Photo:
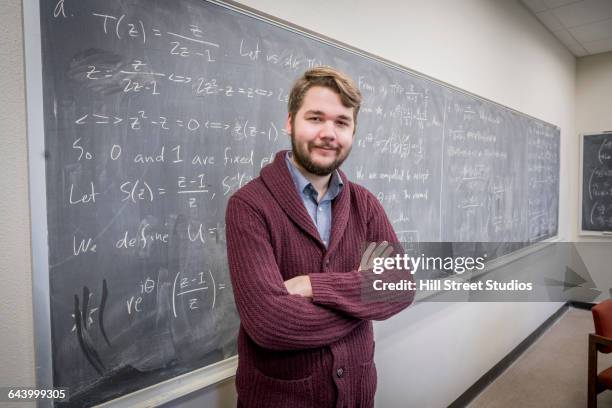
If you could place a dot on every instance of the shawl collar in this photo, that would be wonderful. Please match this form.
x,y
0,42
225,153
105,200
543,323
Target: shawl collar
x,y
278,180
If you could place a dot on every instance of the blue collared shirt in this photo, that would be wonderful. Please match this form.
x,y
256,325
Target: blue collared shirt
x,y
320,211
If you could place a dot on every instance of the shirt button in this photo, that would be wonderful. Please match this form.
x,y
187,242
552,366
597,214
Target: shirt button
x,y
320,208
340,372
327,262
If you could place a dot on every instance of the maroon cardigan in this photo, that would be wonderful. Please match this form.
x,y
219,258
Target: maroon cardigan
x,y
293,351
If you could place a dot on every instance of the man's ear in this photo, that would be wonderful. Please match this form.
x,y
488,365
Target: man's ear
x,y
288,126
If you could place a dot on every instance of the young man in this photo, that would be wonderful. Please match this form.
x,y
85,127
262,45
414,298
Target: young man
x,y
295,239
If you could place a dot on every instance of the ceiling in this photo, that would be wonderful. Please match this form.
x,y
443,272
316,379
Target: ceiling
x,y
583,26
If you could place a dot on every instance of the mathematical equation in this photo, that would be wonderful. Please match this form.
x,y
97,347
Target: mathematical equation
x,y
191,292
239,130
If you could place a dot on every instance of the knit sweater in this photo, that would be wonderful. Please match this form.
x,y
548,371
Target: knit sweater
x,y
295,351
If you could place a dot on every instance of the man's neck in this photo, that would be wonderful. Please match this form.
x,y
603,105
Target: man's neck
x,y
320,183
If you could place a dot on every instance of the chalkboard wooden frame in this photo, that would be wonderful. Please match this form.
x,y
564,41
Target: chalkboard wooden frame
x,y
584,230
157,393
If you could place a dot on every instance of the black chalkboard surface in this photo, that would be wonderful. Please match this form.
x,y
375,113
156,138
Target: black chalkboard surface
x,y
596,157
156,111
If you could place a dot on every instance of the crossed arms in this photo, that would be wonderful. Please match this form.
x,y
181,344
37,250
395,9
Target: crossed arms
x,y
307,311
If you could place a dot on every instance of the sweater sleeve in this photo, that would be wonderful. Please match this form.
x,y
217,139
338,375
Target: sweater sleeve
x,y
272,317
353,292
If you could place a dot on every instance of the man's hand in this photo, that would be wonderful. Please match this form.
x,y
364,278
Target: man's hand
x,y
383,250
300,285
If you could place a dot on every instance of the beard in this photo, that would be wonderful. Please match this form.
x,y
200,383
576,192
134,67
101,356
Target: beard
x,y
303,159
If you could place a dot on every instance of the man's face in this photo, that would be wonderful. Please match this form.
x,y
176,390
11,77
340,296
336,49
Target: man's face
x,y
321,132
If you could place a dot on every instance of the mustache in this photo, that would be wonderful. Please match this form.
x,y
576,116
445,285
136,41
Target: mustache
x,y
323,146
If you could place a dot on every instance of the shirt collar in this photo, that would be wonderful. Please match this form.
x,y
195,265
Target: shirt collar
x,y
303,185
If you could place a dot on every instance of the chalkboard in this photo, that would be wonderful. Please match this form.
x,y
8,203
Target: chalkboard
x,y
596,180
155,112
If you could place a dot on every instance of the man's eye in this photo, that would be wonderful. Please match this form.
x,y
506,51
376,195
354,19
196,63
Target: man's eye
x,y
342,124
314,119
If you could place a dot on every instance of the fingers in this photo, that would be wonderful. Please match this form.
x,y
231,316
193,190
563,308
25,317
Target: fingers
x,y
366,258
388,251
380,250
369,251
373,251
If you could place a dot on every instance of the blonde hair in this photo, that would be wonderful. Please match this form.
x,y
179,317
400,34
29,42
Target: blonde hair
x,y
327,77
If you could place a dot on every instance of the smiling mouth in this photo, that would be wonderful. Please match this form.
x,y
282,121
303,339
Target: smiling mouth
x,y
324,148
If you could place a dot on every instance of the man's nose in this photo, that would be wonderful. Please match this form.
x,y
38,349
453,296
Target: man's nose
x,y
328,131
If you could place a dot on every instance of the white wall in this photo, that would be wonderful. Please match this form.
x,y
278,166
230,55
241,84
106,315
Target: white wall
x,y
16,330
430,354
593,92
